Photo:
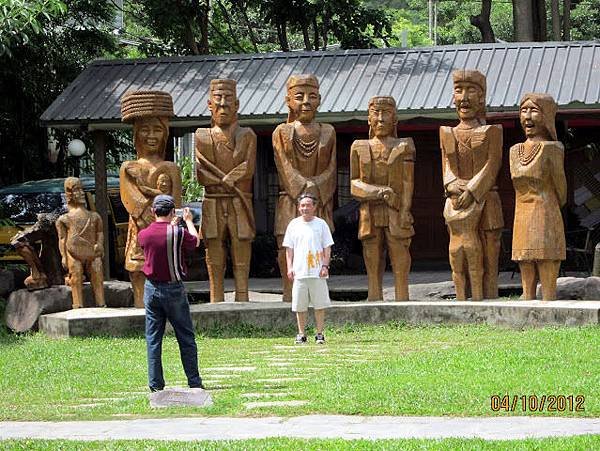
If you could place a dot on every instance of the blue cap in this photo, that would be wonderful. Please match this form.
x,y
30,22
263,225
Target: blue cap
x,y
163,202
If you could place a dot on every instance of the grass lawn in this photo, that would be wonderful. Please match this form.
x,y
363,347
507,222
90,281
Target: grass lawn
x,y
285,444
368,370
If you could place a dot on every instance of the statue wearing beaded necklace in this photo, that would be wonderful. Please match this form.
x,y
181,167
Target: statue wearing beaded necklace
x,y
537,172
305,157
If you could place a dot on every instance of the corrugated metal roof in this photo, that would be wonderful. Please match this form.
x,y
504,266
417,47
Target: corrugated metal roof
x,y
419,78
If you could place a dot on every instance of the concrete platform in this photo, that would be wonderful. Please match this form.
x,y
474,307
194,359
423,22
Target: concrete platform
x,y
506,313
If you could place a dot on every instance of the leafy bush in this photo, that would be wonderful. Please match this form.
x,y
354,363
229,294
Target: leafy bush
x,y
192,190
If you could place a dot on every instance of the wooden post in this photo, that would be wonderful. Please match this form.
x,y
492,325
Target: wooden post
x,y
99,137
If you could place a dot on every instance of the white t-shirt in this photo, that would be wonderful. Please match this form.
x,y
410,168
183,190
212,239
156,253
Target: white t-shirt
x,y
307,239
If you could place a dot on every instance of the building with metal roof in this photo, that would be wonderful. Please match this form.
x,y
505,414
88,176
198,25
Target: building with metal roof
x,y
418,78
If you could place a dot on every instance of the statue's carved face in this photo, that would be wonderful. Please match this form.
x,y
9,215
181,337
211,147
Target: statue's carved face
x,y
150,136
532,120
75,194
468,98
382,119
303,101
223,106
164,184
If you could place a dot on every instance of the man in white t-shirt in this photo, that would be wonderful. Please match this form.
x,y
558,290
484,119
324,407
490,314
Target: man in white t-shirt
x,y
307,243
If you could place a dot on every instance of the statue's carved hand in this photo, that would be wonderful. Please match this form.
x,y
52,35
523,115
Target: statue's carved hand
x,y
98,250
229,181
133,171
453,189
311,187
464,200
385,192
63,262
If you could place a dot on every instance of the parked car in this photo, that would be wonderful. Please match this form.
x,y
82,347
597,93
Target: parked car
x,y
20,204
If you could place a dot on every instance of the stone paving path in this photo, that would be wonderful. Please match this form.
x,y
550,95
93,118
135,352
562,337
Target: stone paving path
x,y
310,426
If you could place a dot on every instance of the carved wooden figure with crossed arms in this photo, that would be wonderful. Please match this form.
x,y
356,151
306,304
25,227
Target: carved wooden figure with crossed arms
x,y
225,162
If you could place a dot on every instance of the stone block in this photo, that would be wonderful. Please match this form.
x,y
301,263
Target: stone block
x,y
7,282
570,288
116,294
592,288
429,291
180,397
24,307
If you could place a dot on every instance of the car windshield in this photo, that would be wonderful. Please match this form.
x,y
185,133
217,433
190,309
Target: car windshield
x,y
23,208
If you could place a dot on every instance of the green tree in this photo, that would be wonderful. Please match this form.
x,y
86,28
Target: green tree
x,y
585,20
240,26
20,19
35,71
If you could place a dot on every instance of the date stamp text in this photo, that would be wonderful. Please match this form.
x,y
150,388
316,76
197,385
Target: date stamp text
x,y
537,403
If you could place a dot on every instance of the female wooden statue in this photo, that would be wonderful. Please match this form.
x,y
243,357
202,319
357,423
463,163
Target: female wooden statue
x,y
537,172
149,175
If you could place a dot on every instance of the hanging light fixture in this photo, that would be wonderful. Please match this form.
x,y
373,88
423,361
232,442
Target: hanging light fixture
x,y
76,148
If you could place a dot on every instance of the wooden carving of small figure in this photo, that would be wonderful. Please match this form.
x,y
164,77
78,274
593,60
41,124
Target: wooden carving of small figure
x,y
471,160
46,269
305,156
382,179
226,158
81,244
538,175
142,179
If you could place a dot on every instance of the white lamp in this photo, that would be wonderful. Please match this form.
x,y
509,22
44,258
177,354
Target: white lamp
x,y
76,148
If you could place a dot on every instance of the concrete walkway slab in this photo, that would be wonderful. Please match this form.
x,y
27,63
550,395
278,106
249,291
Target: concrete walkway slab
x,y
311,426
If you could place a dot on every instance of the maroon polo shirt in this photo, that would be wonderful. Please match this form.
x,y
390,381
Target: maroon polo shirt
x,y
164,247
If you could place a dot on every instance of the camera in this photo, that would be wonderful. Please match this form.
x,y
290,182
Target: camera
x,y
179,213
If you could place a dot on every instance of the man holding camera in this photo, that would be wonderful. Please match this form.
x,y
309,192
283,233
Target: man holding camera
x,y
164,243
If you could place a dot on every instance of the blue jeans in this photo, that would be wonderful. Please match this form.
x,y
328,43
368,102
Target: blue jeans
x,y
162,301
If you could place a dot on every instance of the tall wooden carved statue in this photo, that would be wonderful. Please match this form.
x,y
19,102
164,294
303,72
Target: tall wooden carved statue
x,y
225,163
538,175
81,244
149,112
471,160
382,179
306,161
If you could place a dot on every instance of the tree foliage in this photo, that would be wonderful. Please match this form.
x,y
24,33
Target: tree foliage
x,y
20,19
585,20
35,71
238,26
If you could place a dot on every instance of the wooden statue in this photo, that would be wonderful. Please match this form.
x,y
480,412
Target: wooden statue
x,y
471,160
225,162
141,180
538,175
46,269
305,156
382,179
81,244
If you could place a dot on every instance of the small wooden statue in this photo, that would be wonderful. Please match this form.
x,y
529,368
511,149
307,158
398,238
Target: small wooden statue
x,y
382,179
141,180
305,156
45,266
225,162
471,160
81,244
538,175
